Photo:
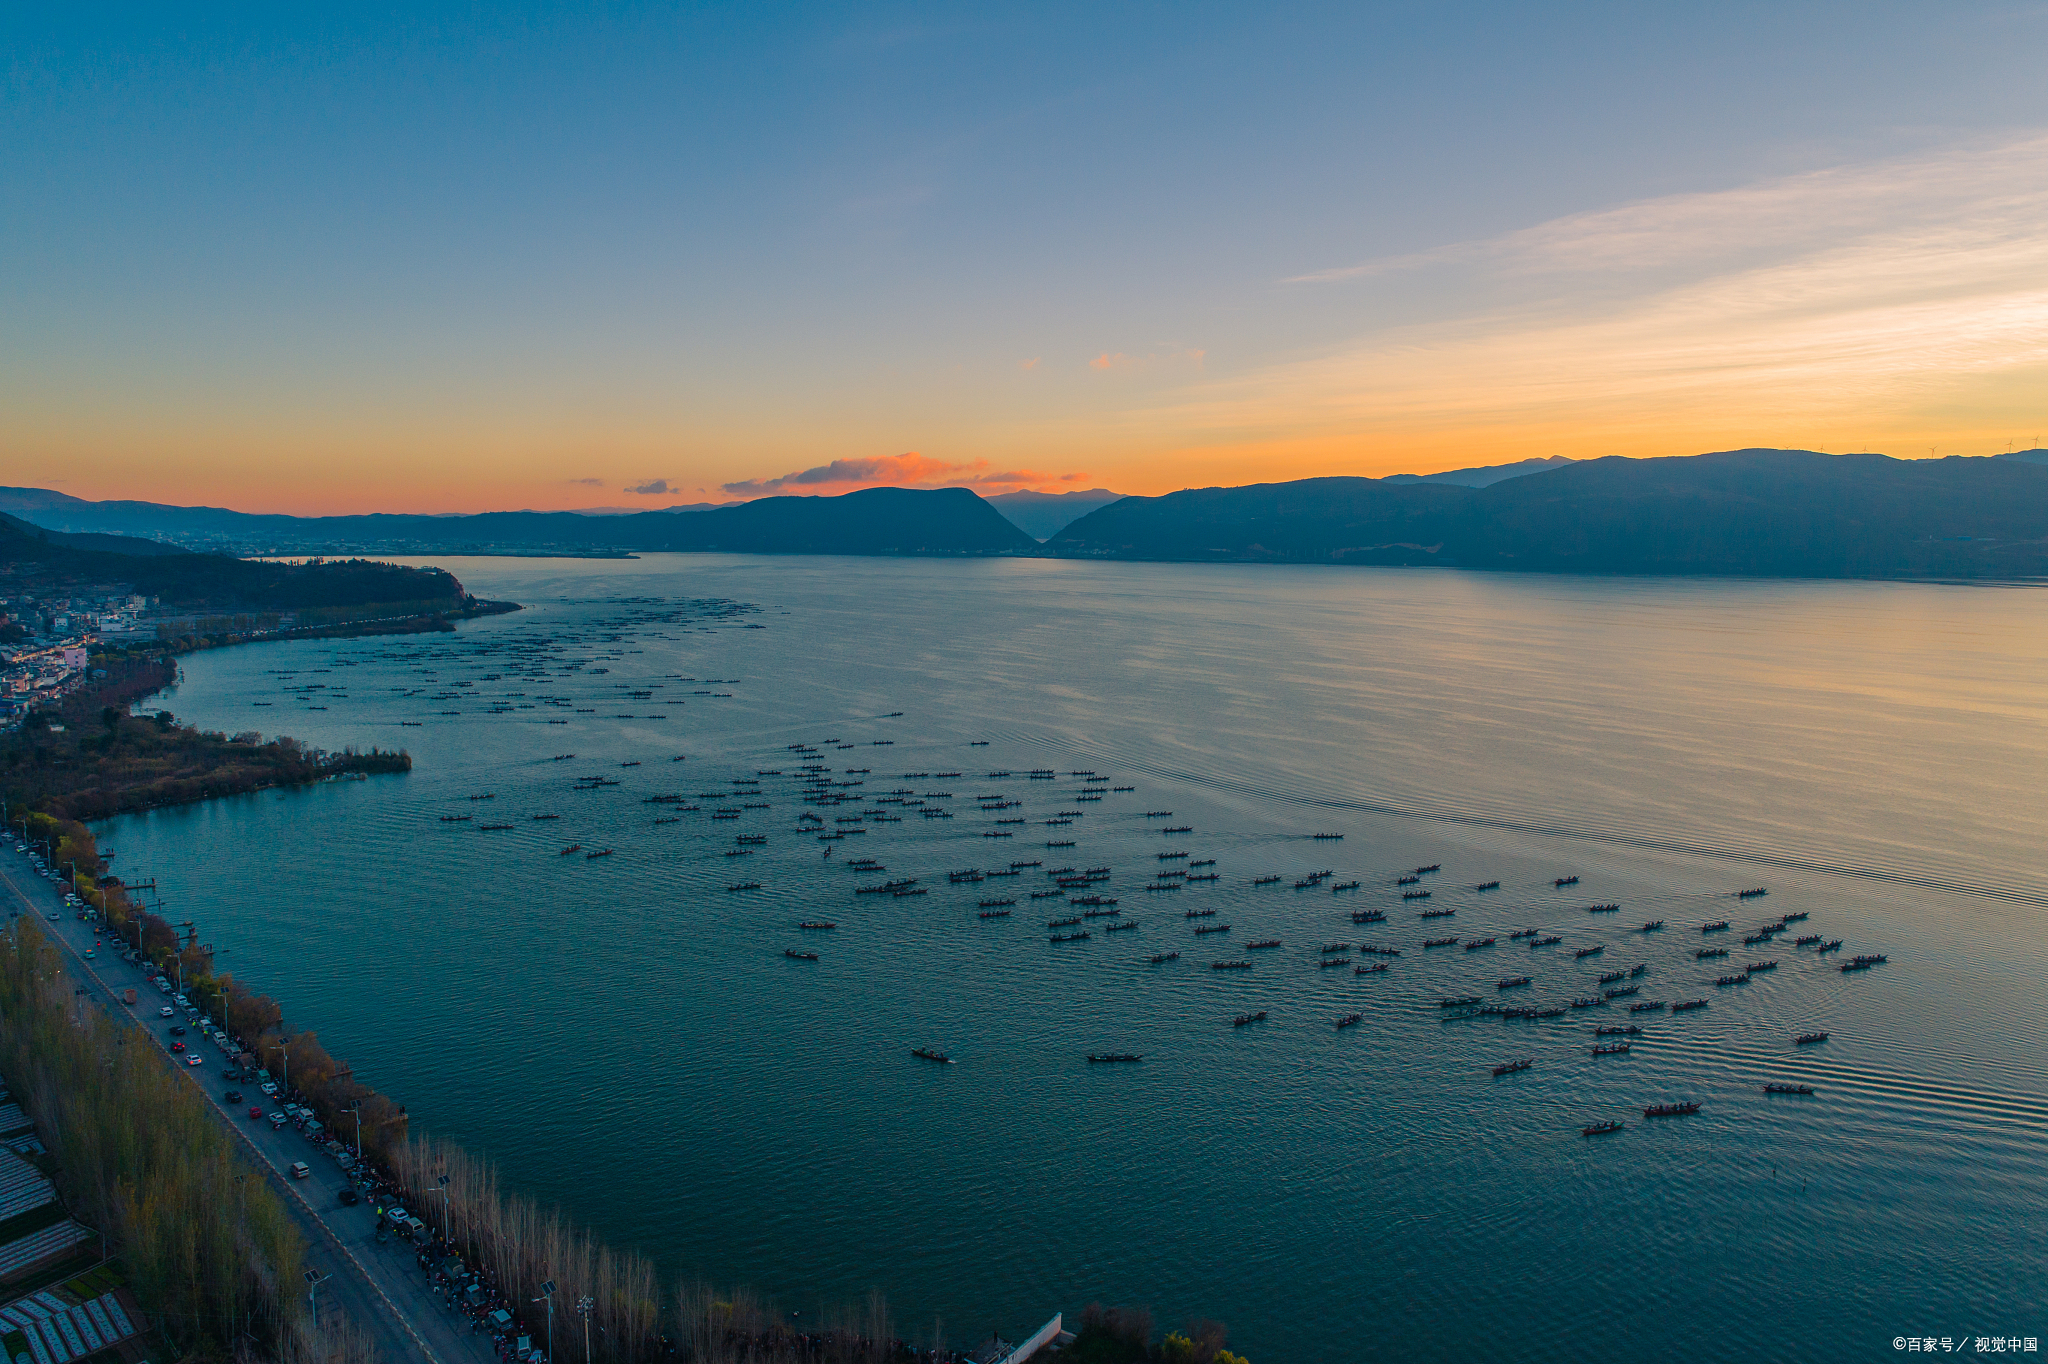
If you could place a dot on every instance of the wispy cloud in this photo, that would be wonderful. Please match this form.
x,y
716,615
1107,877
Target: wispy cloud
x,y
584,482
893,471
1849,297
1790,212
653,487
1119,362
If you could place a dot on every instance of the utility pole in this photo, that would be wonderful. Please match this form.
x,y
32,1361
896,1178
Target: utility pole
x,y
584,1306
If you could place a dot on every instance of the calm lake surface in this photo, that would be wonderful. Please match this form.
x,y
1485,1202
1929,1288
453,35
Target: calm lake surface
x,y
625,1036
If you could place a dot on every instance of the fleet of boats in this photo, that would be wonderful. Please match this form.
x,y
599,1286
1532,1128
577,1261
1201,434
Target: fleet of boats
x,y
821,787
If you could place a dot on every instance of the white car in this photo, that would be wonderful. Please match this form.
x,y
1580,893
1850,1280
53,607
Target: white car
x,y
165,1012
192,1060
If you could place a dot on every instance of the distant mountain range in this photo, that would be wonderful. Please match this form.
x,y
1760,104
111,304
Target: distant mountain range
x,y
1484,477
1767,513
1041,515
872,521
1774,513
45,562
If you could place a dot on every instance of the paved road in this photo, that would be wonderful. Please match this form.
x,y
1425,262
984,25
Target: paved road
x,y
377,1286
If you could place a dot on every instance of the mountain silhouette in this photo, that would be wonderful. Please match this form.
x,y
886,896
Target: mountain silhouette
x,y
1770,513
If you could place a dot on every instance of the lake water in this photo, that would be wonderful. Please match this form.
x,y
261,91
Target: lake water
x,y
625,1036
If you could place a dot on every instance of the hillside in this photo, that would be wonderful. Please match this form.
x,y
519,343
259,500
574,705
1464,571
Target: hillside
x,y
873,521
90,540
31,559
1770,513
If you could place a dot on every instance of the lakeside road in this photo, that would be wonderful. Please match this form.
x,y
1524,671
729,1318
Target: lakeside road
x,y
376,1286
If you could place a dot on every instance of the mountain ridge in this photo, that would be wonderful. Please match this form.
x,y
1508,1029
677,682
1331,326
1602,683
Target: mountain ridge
x,y
1757,512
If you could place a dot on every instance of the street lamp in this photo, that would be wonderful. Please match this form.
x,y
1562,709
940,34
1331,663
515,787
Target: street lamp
x,y
284,1069
584,1306
447,1215
356,1107
547,1295
448,1208
314,1278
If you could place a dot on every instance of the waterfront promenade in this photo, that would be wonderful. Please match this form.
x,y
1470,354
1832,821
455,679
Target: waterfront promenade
x,y
375,1286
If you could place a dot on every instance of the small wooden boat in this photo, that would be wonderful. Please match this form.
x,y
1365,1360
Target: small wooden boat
x,y
928,1054
1788,1089
1601,1129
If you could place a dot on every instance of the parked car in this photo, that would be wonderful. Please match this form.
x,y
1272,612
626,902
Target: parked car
x,y
165,1012
177,1029
233,1096
300,1169
349,1198
278,1120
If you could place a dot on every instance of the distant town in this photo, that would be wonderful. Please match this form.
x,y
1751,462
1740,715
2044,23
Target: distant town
x,y
46,642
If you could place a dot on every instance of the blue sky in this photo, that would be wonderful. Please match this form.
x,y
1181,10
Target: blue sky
x,y
446,259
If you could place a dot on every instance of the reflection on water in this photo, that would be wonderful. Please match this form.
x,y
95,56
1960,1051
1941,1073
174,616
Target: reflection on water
x,y
626,1036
